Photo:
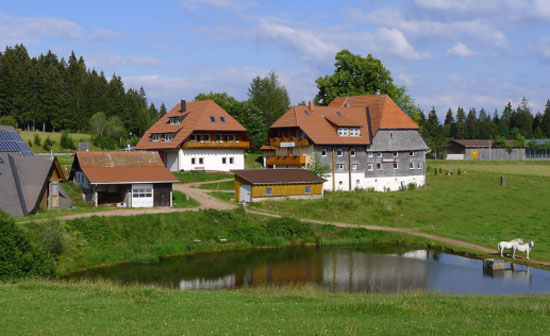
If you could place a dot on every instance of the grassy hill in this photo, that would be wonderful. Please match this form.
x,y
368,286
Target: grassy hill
x,y
55,137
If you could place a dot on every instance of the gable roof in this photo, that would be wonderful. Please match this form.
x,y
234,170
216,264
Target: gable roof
x,y
384,112
24,180
320,123
122,167
278,176
11,141
195,118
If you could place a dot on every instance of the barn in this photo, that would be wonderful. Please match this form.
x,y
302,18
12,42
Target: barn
x,y
123,179
253,185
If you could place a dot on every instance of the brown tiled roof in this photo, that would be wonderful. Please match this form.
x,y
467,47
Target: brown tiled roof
x,y
384,112
481,143
123,167
278,176
314,121
196,118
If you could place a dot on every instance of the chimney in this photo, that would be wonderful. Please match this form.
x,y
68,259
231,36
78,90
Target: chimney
x,y
183,105
310,105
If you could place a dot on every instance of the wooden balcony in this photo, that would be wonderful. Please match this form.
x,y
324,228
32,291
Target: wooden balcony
x,y
216,144
292,142
291,160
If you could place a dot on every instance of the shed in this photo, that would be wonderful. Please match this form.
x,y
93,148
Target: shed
x,y
124,179
482,149
253,185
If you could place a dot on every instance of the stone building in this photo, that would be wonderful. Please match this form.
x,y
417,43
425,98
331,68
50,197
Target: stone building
x,y
367,142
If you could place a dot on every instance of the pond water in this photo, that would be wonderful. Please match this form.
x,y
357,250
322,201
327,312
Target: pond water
x,y
339,269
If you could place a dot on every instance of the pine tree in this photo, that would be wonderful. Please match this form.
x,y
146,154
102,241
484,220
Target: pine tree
x,y
162,111
461,132
545,125
450,125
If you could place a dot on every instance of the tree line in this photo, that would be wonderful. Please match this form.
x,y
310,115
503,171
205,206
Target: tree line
x,y
51,94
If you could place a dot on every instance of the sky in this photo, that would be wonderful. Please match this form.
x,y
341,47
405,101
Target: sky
x,y
480,53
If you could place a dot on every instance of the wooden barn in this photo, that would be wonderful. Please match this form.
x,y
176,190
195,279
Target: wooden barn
x,y
253,185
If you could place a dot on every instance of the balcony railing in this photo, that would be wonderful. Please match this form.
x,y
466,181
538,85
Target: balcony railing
x,y
289,142
217,144
290,160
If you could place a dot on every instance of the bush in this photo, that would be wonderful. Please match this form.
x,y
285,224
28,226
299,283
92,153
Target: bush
x,y
47,144
66,141
411,186
18,257
52,238
37,140
288,228
8,121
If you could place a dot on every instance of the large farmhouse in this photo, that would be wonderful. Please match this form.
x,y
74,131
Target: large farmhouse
x,y
124,179
198,135
368,142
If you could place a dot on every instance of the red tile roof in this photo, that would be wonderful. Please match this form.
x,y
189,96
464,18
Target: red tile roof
x,y
279,176
196,118
123,167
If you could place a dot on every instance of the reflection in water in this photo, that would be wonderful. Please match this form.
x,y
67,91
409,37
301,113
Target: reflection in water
x,y
337,269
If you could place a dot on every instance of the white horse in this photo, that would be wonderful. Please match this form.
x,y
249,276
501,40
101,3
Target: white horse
x,y
523,248
508,245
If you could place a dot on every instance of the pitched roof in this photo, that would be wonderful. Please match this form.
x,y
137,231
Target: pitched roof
x,y
23,180
11,141
320,123
384,112
122,167
278,176
480,143
195,118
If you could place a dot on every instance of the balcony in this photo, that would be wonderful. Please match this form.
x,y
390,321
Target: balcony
x,y
292,142
291,160
216,144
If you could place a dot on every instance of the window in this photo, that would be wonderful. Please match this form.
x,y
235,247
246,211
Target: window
x,y
142,192
357,181
224,160
340,167
354,166
395,154
205,137
193,137
395,165
340,152
55,188
307,190
222,119
379,154
175,121
155,137
168,137
354,132
230,137
411,153
352,151
219,137
268,191
193,161
369,167
212,119
341,183
419,165
411,165
342,131
391,135
378,166
231,160
324,152
201,161
369,154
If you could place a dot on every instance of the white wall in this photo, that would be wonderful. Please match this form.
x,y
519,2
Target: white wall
x,y
212,159
392,183
171,160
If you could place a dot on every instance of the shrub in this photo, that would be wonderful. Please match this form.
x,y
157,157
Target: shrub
x,y
459,172
411,186
66,141
47,145
52,238
18,257
30,143
37,140
8,121
288,228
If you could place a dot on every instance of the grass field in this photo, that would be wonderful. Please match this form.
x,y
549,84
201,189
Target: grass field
x,y
188,177
227,185
52,308
253,160
528,168
55,137
472,207
182,201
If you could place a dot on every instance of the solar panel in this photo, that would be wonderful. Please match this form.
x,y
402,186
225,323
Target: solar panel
x,y
12,142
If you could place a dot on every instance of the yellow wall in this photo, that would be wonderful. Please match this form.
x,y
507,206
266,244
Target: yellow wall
x,y
286,190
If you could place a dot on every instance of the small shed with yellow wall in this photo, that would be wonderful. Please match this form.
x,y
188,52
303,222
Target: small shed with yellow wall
x,y
254,185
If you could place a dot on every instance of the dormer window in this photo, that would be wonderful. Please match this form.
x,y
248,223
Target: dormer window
x,y
168,137
343,131
354,132
175,121
156,137
212,119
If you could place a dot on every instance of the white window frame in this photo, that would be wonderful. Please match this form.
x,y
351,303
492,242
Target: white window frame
x,y
175,121
324,152
419,165
343,131
354,166
370,154
219,137
193,137
168,137
352,151
378,166
395,154
411,153
340,152
379,154
411,165
156,137
205,137
370,167
340,166
354,131
395,165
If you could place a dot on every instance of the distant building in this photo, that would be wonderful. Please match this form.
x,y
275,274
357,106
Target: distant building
x,y
127,179
253,185
368,142
482,149
28,183
198,136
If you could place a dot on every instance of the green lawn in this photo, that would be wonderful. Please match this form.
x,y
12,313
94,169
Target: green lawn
x,y
192,176
65,160
52,308
182,201
529,168
55,137
253,160
223,195
227,185
471,207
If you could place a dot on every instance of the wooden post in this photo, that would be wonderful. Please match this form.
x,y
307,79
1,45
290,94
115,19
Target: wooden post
x,y
502,182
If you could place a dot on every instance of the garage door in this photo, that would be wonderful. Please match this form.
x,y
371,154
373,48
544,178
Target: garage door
x,y
172,161
142,195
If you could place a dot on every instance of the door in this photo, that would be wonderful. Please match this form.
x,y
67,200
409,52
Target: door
x,y
142,195
171,161
245,193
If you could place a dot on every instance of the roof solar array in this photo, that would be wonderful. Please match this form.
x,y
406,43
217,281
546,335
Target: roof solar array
x,y
12,142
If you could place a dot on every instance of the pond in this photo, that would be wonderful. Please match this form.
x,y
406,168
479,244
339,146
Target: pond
x,y
338,269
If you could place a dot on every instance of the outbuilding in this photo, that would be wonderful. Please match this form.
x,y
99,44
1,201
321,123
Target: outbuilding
x,y
254,185
123,179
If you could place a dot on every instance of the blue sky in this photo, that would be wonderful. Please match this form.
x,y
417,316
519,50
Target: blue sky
x,y
447,52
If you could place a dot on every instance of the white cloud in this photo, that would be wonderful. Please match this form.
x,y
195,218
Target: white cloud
x,y
102,34
109,60
461,50
230,4
33,28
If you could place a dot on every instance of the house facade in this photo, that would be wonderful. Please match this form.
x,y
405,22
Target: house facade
x,y
197,136
367,142
123,179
